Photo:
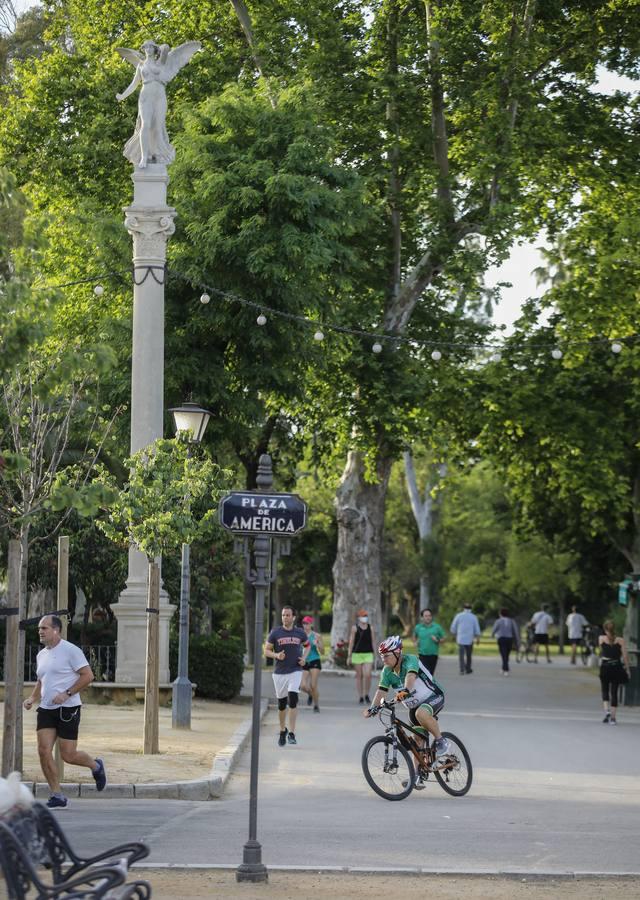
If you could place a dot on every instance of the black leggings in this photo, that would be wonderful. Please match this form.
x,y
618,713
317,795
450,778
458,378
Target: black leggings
x,y
610,682
505,645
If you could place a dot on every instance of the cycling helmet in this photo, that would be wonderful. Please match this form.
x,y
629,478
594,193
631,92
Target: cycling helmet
x,y
390,645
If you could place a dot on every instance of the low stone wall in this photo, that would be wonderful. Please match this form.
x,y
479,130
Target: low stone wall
x,y
119,693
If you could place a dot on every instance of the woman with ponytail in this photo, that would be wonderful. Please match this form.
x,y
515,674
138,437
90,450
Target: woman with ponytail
x,y
614,670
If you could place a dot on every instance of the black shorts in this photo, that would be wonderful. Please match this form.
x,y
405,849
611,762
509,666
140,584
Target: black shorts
x,y
541,639
65,721
314,664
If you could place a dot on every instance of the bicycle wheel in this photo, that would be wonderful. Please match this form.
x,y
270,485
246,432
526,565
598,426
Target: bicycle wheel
x,y
390,775
530,653
454,770
521,651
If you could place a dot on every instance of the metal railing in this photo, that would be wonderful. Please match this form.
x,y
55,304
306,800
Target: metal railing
x,y
101,658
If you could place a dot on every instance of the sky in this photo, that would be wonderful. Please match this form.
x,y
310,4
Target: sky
x,y
518,268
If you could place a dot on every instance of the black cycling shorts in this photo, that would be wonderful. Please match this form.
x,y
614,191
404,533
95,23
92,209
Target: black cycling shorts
x,y
65,720
314,664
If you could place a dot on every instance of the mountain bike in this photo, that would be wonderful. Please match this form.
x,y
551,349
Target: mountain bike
x,y
391,762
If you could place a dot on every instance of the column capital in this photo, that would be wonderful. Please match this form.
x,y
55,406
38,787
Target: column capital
x,y
150,228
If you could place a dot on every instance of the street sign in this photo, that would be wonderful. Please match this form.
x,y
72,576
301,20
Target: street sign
x,y
623,593
280,515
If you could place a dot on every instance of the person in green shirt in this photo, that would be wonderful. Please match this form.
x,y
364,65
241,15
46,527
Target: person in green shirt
x,y
416,689
428,635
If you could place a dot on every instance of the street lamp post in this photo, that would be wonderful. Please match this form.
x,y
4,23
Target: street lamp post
x,y
193,419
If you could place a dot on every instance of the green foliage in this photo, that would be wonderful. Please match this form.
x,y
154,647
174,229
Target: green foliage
x,y
485,559
170,498
216,665
23,315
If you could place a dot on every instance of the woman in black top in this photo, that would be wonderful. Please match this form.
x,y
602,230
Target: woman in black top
x,y
361,644
612,670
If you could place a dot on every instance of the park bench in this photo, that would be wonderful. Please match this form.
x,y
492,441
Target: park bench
x,y
30,838
21,877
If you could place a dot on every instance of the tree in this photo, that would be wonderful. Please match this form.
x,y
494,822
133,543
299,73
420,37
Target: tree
x,y
170,499
497,148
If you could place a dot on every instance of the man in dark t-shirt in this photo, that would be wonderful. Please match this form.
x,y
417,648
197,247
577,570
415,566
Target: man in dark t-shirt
x,y
289,647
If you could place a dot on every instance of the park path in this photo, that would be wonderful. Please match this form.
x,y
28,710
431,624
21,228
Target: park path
x,y
554,791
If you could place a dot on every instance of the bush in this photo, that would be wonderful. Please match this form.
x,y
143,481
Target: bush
x,y
216,665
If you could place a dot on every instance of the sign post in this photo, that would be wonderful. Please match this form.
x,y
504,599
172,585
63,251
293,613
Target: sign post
x,y
262,523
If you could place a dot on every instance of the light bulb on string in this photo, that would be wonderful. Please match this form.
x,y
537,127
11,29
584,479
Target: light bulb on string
x,y
204,299
616,347
98,290
436,355
556,353
262,319
377,347
318,336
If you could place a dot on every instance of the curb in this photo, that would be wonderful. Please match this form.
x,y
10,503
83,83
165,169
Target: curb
x,y
209,788
515,875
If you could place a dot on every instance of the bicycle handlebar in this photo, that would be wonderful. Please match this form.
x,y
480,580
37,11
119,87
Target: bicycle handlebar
x,y
386,704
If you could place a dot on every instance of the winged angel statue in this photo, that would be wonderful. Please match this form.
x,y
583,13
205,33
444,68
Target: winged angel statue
x,y
159,64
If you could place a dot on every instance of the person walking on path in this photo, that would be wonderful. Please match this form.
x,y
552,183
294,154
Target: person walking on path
x,y
540,622
288,646
360,654
614,670
313,664
62,671
465,627
576,624
428,635
508,636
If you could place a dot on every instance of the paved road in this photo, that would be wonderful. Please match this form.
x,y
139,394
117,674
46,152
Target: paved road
x,y
555,790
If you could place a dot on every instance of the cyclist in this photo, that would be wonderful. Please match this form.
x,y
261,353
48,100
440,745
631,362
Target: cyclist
x,y
416,689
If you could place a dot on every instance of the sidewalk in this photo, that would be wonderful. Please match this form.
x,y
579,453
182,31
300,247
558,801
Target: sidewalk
x,y
192,764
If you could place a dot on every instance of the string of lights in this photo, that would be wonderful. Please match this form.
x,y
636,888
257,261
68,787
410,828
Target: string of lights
x,y
495,349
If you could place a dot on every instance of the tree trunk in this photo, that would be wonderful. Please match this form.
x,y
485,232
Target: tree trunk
x,y
24,561
11,698
357,569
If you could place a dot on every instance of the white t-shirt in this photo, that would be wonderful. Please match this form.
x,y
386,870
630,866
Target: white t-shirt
x,y
575,623
57,671
541,620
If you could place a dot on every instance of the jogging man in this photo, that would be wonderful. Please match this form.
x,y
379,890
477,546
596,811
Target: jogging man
x,y
416,689
285,644
540,621
62,672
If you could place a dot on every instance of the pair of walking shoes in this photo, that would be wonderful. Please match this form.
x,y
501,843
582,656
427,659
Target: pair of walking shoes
x,y
100,778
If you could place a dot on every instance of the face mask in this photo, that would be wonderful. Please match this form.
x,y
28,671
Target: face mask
x,y
363,620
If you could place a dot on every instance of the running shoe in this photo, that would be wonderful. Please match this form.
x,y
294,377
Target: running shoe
x,y
613,722
442,746
361,700
316,709
282,740
368,699
57,802
309,700
100,776
291,738
606,719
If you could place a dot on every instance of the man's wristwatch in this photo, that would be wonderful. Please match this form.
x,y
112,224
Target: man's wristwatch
x,y
68,693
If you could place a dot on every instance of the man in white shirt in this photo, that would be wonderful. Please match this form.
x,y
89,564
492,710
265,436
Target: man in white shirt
x,y
62,671
541,622
576,623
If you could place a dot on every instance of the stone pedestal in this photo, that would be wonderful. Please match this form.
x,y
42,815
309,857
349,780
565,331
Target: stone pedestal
x,y
150,222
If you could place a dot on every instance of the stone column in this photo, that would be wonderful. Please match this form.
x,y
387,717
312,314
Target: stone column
x,y
150,222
